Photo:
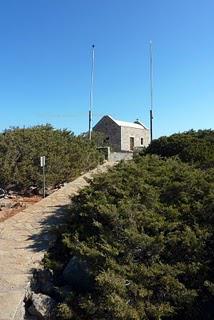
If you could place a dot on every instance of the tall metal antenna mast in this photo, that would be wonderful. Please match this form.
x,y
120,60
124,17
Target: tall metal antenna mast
x,y
91,92
151,91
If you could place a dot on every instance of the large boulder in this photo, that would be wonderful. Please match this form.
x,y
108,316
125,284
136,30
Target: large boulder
x,y
42,282
76,274
42,307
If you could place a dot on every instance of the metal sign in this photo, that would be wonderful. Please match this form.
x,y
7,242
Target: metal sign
x,y
42,161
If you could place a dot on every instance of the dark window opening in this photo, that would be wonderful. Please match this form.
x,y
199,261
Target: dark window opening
x,y
106,140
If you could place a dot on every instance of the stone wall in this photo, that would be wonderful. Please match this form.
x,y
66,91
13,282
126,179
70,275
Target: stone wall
x,y
127,132
111,131
118,156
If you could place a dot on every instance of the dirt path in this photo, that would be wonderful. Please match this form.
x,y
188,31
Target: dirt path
x,y
23,240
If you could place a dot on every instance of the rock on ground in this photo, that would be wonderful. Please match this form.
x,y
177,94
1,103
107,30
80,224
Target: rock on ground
x,y
42,307
76,273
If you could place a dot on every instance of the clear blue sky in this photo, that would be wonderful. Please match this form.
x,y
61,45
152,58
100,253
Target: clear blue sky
x,y
45,62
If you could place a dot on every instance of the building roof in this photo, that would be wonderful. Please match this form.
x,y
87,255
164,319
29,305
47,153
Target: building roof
x,y
136,125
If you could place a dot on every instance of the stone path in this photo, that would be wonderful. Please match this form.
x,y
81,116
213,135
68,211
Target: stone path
x,y
23,240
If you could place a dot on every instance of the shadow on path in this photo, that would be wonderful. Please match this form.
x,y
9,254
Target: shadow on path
x,y
42,239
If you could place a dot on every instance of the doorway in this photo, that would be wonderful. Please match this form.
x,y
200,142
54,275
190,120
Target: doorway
x,y
132,143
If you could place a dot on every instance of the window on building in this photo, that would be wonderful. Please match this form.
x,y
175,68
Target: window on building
x,y
141,141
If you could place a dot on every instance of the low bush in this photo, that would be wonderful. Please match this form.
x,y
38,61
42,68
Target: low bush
x,y
195,147
145,231
67,156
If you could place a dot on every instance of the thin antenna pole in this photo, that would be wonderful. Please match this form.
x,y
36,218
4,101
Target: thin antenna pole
x,y
151,91
91,92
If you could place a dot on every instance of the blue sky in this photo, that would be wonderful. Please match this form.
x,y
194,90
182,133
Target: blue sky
x,y
45,62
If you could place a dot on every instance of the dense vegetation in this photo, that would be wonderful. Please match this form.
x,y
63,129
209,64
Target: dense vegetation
x,y
66,156
194,147
143,238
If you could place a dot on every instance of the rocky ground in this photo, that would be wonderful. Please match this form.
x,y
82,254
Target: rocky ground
x,y
10,206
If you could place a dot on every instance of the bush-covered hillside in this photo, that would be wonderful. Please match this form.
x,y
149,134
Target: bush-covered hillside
x,y
193,146
142,243
66,156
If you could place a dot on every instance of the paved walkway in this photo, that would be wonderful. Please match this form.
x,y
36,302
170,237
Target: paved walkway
x,y
23,240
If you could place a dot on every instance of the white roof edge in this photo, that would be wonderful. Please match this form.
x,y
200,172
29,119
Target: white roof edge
x,y
138,125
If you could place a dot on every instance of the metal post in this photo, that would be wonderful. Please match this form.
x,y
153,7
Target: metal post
x,y
151,127
151,92
43,181
42,164
91,92
90,123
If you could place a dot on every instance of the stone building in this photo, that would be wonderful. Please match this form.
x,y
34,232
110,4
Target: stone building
x,y
121,135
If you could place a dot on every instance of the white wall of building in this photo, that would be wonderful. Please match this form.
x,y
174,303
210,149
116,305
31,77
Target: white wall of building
x,y
137,134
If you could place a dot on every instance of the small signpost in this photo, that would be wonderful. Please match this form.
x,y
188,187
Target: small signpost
x,y
42,164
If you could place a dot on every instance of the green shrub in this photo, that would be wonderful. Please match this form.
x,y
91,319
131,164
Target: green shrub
x,y
145,230
67,156
195,147
64,312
